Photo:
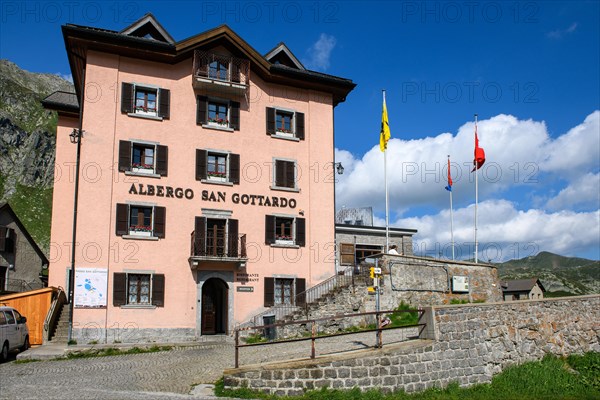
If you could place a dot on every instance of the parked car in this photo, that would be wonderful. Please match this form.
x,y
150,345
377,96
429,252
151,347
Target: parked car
x,y
14,333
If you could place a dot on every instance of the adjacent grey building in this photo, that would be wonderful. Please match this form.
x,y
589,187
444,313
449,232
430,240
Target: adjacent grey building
x,y
21,260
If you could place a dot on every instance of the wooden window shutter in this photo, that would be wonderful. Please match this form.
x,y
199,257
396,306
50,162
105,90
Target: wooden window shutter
x,y
300,289
201,110
269,292
290,174
158,290
234,168
127,97
119,289
122,219
280,173
199,236
270,121
162,160
300,232
201,157
234,116
269,229
300,125
232,244
235,73
164,103
347,254
159,221
124,155
3,231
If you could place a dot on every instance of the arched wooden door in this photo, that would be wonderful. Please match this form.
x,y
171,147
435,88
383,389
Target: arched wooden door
x,y
214,307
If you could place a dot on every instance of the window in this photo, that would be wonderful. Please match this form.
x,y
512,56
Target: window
x,y
145,101
285,123
143,158
284,174
217,237
141,289
215,167
140,221
367,250
7,240
288,291
218,113
218,70
283,230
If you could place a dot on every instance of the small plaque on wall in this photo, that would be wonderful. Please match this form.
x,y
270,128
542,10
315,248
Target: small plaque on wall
x,y
245,289
460,284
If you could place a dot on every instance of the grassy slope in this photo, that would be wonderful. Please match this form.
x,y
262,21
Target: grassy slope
x,y
33,206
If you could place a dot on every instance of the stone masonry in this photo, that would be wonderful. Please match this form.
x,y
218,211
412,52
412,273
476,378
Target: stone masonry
x,y
468,344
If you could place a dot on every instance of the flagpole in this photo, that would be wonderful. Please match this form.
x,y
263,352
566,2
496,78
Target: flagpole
x,y
476,196
451,213
387,214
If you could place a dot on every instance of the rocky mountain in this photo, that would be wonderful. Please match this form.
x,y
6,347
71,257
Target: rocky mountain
x,y
27,141
559,274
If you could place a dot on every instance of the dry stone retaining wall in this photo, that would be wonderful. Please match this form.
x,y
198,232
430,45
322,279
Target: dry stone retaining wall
x,y
463,343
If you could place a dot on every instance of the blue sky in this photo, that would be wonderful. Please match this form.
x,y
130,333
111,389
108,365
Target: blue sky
x,y
529,69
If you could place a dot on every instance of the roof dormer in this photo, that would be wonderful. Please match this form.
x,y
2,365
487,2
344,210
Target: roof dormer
x,y
282,55
149,28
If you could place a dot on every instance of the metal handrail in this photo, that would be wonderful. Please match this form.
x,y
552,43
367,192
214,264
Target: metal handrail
x,y
52,316
313,337
224,245
306,298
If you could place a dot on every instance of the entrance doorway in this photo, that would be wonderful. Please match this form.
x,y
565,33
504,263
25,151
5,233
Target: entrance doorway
x,y
214,307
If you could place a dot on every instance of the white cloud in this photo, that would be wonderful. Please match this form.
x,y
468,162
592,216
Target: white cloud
x,y
560,33
583,192
504,232
561,175
319,53
518,154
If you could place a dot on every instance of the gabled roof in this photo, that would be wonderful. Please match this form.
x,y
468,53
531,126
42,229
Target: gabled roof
x,y
148,27
521,285
281,54
65,103
5,207
146,39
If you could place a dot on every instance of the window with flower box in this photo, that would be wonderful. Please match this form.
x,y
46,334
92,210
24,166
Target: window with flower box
x,y
285,230
140,221
217,167
285,123
216,113
145,101
138,289
143,158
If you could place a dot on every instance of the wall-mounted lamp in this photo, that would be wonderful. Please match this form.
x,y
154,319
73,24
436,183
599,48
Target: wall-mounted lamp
x,y
339,168
75,136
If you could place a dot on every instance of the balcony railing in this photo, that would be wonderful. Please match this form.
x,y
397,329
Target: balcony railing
x,y
219,73
217,246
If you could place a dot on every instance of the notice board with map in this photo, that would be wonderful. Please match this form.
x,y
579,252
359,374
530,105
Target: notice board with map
x,y
90,287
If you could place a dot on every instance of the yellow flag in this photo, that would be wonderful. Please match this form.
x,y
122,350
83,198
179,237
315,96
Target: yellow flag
x,y
384,135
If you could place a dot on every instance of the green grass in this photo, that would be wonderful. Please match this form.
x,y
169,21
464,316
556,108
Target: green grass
x,y
404,318
573,378
33,206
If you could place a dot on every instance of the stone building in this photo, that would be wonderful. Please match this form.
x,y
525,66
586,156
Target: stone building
x,y
21,260
522,289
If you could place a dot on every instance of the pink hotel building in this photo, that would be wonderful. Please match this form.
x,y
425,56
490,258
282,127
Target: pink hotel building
x,y
206,192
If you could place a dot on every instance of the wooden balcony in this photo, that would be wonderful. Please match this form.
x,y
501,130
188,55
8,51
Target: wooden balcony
x,y
220,74
216,246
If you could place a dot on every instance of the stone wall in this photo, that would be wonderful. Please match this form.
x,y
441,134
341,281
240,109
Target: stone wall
x,y
463,343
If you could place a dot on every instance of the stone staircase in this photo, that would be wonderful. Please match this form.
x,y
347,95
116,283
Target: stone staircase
x,y
61,332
